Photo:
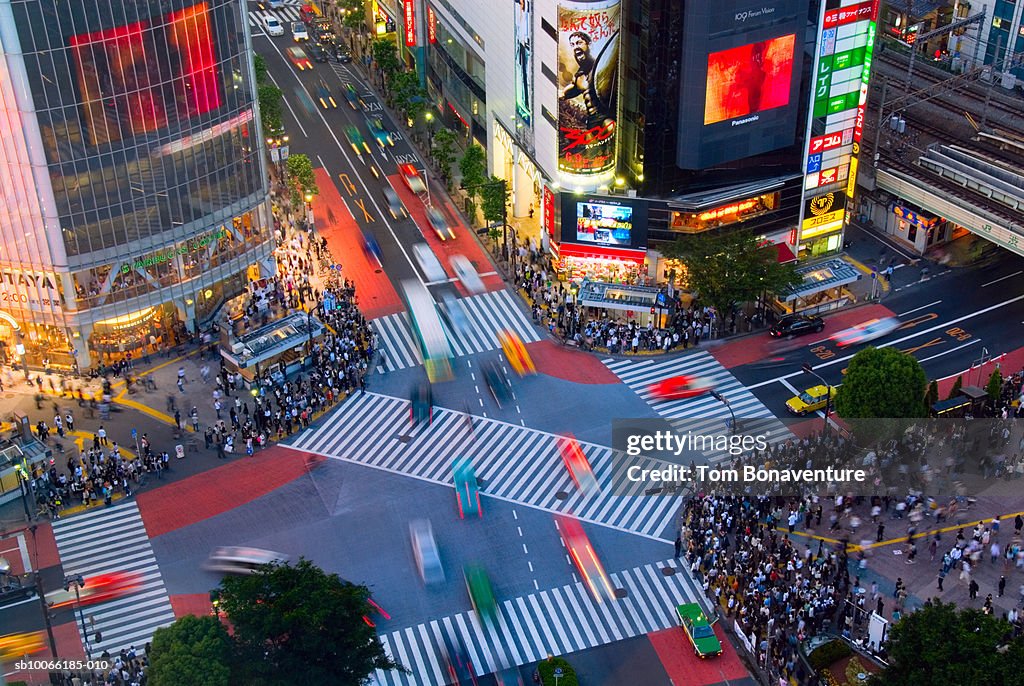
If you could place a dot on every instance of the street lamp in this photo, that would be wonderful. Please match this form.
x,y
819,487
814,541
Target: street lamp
x,y
309,209
78,582
808,369
573,290
725,401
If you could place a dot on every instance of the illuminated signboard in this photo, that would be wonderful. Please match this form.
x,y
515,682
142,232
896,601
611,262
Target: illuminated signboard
x,y
410,23
735,208
748,79
431,25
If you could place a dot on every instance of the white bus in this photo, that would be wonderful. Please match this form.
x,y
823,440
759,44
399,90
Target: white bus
x,y
426,324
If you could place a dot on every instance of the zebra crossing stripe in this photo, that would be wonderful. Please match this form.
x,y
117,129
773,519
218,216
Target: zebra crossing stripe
x,y
286,15
114,539
554,621
513,463
486,313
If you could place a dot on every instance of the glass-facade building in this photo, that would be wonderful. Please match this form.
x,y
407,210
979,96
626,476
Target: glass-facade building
x,y
133,197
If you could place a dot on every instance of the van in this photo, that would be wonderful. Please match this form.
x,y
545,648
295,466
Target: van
x,y
432,269
241,560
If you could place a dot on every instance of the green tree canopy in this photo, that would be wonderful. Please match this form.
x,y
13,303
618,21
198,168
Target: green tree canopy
x,y
296,624
409,97
494,195
882,383
302,178
994,386
727,270
259,67
353,13
385,53
941,644
955,390
193,650
443,150
473,167
270,109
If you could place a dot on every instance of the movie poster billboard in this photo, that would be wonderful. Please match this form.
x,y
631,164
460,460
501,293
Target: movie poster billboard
x,y
524,60
588,82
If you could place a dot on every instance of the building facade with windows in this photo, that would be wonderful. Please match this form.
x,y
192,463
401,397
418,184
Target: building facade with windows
x,y
133,200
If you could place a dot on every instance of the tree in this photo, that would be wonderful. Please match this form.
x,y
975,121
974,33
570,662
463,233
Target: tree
x,y
443,150
353,13
940,644
270,109
494,196
994,387
192,650
385,54
407,94
882,383
300,625
259,67
302,178
955,390
730,269
473,167
932,396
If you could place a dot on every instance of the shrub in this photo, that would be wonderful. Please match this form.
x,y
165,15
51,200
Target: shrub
x,y
825,655
547,672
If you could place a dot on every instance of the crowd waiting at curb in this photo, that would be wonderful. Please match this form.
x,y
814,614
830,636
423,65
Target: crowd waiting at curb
x,y
128,667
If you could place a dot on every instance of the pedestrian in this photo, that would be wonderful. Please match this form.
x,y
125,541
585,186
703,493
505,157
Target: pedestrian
x,y
942,575
69,420
679,546
880,535
973,589
1002,585
177,419
101,435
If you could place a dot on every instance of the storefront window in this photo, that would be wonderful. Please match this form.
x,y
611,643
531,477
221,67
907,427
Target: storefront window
x,y
609,271
150,328
45,345
734,212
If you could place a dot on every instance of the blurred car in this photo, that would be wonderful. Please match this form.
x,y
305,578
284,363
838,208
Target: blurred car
x,y
496,383
372,248
356,140
299,32
481,593
411,176
273,26
516,353
322,31
681,387
299,58
318,52
395,205
455,311
429,263
376,610
379,133
15,646
323,94
306,14
811,400
241,560
439,223
422,408
577,464
467,490
585,559
342,56
509,676
467,274
352,96
424,549
456,661
868,331
699,630
796,325
96,589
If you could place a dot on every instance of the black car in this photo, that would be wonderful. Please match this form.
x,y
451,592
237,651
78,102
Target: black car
x,y
796,325
317,52
342,55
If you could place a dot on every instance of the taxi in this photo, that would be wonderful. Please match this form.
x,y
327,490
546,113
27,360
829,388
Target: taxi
x,y
699,630
811,400
467,489
516,353
299,58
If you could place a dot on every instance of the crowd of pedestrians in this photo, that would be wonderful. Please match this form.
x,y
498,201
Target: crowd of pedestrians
x,y
128,667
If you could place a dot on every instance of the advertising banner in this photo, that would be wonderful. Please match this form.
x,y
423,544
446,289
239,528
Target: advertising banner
x,y
603,221
524,60
410,23
588,71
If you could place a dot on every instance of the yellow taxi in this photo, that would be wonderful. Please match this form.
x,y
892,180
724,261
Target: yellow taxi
x,y
811,400
516,353
14,646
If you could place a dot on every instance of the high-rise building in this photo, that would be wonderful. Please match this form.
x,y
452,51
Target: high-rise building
x,y
133,196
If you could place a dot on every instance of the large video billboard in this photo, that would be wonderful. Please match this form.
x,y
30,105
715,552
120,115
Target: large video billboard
x,y
524,60
588,83
740,80
604,221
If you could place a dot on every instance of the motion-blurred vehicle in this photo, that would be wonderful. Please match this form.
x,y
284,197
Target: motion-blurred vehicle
x,y
516,353
15,646
422,409
273,26
412,178
496,383
868,331
395,205
356,140
372,248
481,594
97,589
241,560
699,630
299,32
509,676
342,56
376,610
585,559
352,96
796,325
467,489
323,94
811,400
680,387
455,311
424,549
439,223
318,52
299,58
429,263
577,464
456,661
306,13
379,133
323,31
467,274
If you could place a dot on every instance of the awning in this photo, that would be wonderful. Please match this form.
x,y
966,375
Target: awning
x,y
599,252
783,253
821,276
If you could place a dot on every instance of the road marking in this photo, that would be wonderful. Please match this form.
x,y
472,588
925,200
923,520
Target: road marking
x,y
515,515
520,530
976,340
361,205
891,247
347,184
789,386
840,360
525,551
1002,278
438,283
285,100
536,586
916,309
320,159
530,564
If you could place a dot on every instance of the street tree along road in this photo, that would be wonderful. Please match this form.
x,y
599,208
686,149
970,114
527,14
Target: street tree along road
x,y
882,383
193,650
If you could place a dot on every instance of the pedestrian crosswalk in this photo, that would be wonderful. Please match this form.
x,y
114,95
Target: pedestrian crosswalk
x,y
286,15
513,463
557,621
703,414
114,539
487,313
